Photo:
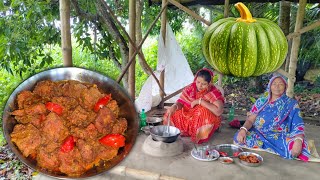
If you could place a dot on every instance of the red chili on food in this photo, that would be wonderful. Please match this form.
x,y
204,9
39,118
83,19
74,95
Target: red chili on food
x,y
113,140
54,107
102,102
236,154
224,154
68,144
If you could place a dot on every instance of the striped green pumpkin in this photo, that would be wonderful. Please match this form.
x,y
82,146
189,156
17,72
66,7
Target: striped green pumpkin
x,y
244,47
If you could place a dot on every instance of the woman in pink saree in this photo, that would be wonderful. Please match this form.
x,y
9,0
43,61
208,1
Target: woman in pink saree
x,y
197,112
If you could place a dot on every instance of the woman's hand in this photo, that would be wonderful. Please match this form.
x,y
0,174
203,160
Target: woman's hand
x,y
296,148
195,102
172,109
242,136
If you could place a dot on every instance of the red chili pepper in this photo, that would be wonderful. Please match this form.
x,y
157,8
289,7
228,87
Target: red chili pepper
x,y
54,107
224,154
207,152
236,154
68,144
113,140
102,102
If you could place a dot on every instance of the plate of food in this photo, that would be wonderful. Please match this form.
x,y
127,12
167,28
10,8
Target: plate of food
x,y
205,153
228,150
250,159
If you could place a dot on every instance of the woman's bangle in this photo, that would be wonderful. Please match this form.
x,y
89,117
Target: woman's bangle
x,y
245,129
200,101
176,106
298,138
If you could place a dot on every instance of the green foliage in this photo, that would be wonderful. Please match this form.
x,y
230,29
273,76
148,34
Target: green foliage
x,y
26,30
299,88
191,47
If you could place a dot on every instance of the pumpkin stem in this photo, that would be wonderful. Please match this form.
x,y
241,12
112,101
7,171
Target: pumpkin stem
x,y
244,13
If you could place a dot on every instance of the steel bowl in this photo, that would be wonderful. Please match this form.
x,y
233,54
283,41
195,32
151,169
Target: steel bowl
x,y
154,121
250,164
158,133
126,105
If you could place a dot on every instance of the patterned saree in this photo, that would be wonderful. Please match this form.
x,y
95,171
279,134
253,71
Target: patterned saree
x,y
190,120
276,125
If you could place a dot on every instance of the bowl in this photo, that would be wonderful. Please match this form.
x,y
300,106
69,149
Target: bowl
x,y
245,159
154,121
158,133
125,103
226,160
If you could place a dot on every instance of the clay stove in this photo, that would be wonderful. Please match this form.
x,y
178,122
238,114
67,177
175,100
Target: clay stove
x,y
162,149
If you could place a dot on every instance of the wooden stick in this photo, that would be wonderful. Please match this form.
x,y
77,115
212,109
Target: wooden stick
x,y
140,174
140,45
191,13
283,72
303,30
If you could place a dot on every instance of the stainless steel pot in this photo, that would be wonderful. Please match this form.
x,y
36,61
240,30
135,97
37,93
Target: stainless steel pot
x,y
158,133
154,121
126,105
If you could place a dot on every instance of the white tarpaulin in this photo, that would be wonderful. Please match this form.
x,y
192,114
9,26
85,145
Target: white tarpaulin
x,y
177,73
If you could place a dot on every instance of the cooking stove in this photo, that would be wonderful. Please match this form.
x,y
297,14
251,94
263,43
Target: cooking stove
x,y
162,149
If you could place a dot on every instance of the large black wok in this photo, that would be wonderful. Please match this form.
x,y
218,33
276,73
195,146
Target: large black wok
x,y
126,105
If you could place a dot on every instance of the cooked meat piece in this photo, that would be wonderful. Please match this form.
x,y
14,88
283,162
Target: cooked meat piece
x,y
36,120
71,88
86,149
89,97
53,128
27,138
48,160
120,126
71,162
90,132
22,97
79,117
106,152
45,88
31,110
104,121
113,105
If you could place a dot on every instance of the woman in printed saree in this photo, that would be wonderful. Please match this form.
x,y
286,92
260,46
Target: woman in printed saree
x,y
275,124
197,112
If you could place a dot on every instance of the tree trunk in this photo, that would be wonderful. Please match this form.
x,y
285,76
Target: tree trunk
x,y
65,32
108,25
284,23
139,9
295,46
132,34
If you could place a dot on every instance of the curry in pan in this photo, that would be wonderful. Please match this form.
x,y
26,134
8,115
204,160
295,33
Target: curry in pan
x,y
68,126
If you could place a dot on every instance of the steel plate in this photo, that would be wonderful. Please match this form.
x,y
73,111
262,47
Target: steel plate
x,y
205,153
230,149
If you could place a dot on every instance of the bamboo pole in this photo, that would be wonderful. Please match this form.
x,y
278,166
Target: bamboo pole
x,y
65,32
295,46
164,34
132,34
303,30
191,13
139,46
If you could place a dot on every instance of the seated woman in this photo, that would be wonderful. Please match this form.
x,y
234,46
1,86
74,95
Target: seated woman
x,y
275,124
197,112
